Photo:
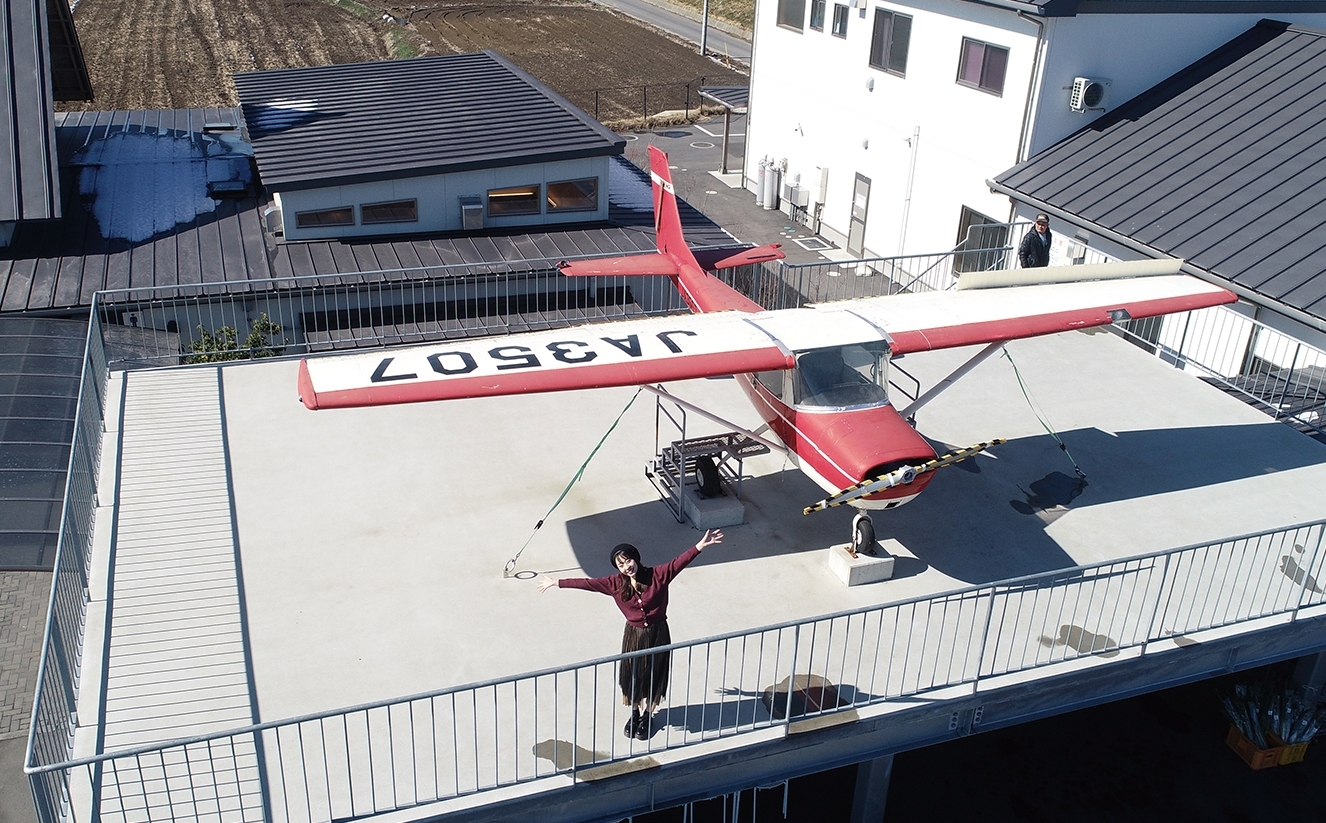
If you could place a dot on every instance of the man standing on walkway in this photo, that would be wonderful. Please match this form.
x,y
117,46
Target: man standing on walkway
x,y
1034,251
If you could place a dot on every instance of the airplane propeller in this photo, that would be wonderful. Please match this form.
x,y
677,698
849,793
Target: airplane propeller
x,y
899,477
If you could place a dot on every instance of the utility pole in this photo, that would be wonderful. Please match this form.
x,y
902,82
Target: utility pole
x,y
704,29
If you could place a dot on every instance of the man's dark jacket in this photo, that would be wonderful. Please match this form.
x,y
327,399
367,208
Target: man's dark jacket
x,y
1032,253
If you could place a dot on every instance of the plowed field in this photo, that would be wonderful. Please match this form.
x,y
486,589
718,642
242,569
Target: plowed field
x,y
182,53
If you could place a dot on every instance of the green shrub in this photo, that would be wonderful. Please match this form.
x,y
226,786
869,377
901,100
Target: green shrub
x,y
223,344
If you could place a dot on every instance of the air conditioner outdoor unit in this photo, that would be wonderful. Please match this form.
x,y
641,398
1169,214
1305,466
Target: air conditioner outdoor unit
x,y
1088,93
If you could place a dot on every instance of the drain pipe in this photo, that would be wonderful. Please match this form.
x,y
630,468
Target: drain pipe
x,y
914,141
1024,139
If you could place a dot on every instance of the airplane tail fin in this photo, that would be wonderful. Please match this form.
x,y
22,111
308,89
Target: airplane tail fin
x,y
667,220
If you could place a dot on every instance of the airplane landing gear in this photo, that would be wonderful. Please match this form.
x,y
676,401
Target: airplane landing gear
x,y
863,535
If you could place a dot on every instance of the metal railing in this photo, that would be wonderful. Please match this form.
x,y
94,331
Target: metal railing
x,y
780,285
208,323
55,709
643,101
402,753
1268,369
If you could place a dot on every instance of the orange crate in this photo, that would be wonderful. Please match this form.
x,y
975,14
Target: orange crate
x,y
1253,756
1293,752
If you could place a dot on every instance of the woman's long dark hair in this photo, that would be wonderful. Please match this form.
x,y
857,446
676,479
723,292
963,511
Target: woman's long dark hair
x,y
643,574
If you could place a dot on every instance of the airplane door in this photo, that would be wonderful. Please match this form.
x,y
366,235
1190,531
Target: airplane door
x,y
856,229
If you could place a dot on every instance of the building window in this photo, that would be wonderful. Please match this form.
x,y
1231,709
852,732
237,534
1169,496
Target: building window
x,y
839,20
817,14
517,200
397,211
325,217
982,66
792,13
574,195
889,41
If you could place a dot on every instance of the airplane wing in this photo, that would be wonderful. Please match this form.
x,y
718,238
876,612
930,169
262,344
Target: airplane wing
x,y
684,347
627,353
988,314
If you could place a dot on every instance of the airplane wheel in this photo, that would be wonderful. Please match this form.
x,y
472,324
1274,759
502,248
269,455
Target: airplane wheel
x,y
706,476
863,534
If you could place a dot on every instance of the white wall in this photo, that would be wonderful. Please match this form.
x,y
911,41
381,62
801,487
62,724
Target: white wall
x,y
811,105
1135,52
438,199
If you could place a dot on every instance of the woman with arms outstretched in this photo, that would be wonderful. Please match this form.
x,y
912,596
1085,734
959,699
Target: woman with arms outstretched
x,y
641,592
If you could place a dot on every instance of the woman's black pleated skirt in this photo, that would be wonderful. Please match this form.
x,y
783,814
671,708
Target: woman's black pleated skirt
x,y
645,677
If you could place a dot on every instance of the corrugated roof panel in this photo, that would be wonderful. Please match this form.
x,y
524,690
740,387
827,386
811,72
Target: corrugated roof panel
x,y
61,264
367,121
29,174
1223,164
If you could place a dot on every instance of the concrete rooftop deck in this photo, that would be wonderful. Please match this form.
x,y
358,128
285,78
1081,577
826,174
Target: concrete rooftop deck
x,y
265,561
372,541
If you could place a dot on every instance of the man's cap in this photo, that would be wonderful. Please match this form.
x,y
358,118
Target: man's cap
x,y
1040,218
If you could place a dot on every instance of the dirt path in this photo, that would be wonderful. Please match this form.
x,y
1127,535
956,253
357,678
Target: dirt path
x,y
144,54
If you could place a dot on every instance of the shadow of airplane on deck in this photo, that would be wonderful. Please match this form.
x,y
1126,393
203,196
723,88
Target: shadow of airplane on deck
x,y
982,520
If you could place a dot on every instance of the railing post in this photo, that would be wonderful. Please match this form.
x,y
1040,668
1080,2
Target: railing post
x,y
792,674
1183,340
985,636
1157,608
1307,568
1293,364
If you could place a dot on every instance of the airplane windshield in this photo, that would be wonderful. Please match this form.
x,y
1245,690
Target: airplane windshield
x,y
843,376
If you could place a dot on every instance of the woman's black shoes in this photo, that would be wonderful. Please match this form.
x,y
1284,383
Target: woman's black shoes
x,y
631,729
642,727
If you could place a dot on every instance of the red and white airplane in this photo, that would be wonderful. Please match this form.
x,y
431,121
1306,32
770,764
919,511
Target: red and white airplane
x,y
817,376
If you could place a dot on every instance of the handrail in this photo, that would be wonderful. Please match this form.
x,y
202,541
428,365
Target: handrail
x,y
959,593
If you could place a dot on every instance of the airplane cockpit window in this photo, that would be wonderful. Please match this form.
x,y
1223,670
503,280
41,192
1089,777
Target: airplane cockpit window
x,y
843,376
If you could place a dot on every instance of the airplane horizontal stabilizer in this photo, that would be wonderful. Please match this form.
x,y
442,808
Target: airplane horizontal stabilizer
x,y
749,257
634,265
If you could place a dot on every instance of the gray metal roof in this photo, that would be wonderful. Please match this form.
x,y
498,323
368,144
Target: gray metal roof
x,y
69,79
1072,8
325,125
1223,164
29,185
145,174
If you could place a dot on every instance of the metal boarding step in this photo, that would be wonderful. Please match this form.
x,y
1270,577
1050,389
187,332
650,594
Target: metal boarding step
x,y
674,467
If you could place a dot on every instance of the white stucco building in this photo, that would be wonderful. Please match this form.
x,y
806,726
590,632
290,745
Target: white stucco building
x,y
893,115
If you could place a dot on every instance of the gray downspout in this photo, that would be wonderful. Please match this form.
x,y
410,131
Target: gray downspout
x,y
1024,139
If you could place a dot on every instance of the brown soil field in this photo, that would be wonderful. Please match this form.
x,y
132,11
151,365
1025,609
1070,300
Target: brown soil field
x,y
145,54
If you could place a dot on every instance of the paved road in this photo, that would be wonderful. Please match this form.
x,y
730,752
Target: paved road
x,y
718,43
